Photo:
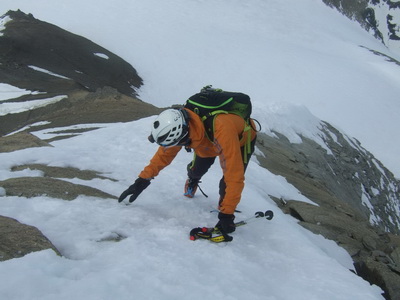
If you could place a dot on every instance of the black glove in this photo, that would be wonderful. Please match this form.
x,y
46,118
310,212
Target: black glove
x,y
135,189
225,223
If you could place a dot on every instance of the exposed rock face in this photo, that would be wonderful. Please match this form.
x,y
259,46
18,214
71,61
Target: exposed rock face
x,y
55,188
28,44
358,200
20,141
349,174
357,10
17,240
106,105
382,17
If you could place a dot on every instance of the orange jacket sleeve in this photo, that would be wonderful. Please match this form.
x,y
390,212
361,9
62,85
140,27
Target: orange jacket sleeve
x,y
162,158
226,137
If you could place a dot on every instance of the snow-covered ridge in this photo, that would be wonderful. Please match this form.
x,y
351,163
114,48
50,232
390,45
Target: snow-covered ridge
x,y
59,61
343,165
387,15
18,107
291,120
3,21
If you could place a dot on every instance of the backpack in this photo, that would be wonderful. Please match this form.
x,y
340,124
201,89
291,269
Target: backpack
x,y
211,102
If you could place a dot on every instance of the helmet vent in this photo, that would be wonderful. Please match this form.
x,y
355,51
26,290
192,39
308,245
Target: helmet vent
x,y
156,124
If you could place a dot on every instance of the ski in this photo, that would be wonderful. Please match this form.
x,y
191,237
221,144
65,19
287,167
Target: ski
x,y
213,234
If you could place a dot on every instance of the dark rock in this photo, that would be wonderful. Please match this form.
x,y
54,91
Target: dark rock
x,y
43,186
17,239
348,179
365,12
341,183
103,106
98,85
380,274
20,141
82,64
59,172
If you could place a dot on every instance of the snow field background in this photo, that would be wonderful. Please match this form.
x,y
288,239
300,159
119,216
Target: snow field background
x,y
300,61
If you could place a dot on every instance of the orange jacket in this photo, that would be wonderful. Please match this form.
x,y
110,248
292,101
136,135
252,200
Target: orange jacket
x,y
228,139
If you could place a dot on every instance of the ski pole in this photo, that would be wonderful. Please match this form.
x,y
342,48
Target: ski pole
x,y
269,214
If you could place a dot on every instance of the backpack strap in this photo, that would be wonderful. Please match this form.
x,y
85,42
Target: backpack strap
x,y
247,145
209,122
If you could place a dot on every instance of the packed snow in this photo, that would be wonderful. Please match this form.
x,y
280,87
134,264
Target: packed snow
x,y
9,92
47,72
274,259
17,107
300,62
102,55
3,22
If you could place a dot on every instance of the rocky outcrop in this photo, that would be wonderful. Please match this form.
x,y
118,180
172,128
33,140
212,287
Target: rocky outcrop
x,y
375,254
38,56
105,105
30,187
357,10
22,140
358,199
96,85
348,174
17,239
381,17
51,183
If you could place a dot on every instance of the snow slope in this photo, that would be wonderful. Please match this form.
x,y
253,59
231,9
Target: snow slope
x,y
299,60
300,52
275,259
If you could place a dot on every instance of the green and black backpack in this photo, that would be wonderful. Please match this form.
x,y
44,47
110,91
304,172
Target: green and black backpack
x,y
211,102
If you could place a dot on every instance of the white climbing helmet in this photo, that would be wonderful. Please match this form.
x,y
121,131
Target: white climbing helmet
x,y
169,128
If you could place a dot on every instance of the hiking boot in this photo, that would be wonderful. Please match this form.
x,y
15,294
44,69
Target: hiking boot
x,y
191,187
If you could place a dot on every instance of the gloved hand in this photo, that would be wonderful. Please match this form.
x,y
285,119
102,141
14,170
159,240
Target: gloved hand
x,y
135,189
226,223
